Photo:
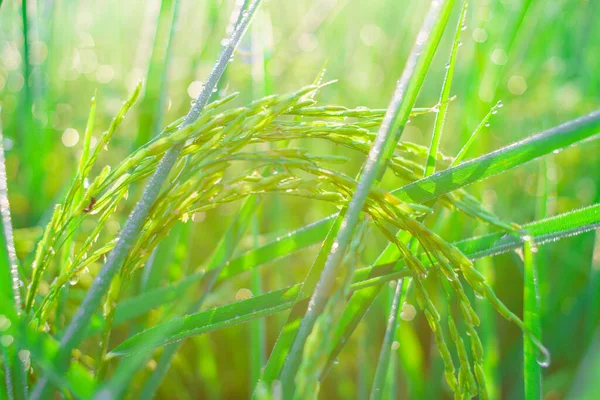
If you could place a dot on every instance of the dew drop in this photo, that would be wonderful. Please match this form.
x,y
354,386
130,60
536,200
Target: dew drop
x,y
408,312
243,294
487,124
73,280
543,357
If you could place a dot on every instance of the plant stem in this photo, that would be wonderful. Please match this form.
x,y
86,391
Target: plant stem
x,y
489,332
385,364
483,124
258,327
9,281
387,138
532,370
10,298
377,390
438,126
152,105
74,331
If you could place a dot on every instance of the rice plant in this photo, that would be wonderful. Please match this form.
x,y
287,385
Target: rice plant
x,y
272,239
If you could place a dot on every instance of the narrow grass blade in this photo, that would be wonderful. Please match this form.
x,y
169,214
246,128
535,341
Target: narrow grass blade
x,y
152,105
545,231
444,97
277,358
542,232
32,137
377,390
532,314
489,333
121,378
42,350
280,247
544,189
258,328
387,138
501,160
483,124
6,390
532,369
384,366
73,197
431,187
10,292
218,260
9,270
210,320
152,111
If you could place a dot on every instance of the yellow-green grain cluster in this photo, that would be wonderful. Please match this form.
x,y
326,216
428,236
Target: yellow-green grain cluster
x,y
220,164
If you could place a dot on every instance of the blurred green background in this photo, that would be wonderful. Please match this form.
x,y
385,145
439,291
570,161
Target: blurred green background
x,y
540,58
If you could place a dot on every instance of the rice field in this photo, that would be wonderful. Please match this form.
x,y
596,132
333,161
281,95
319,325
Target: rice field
x,y
327,199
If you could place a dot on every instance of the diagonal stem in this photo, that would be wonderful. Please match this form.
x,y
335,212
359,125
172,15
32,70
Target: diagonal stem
x,y
75,330
387,138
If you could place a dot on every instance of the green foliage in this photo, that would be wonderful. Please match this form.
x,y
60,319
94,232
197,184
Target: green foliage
x,y
138,258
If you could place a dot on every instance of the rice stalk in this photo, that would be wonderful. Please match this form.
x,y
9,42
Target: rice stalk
x,y
72,335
